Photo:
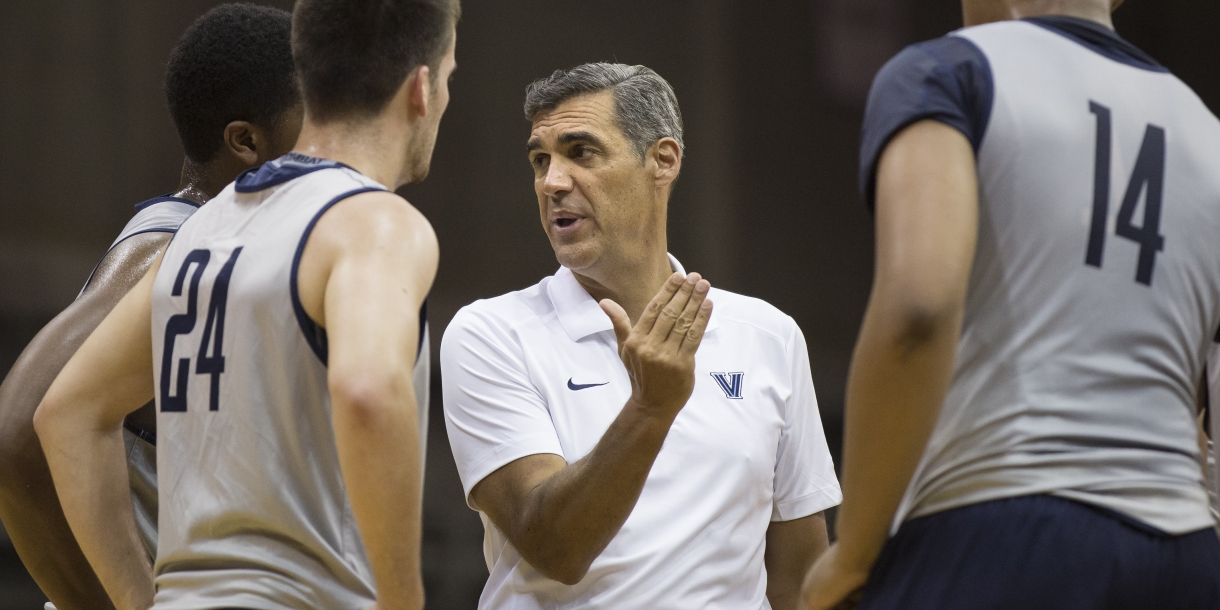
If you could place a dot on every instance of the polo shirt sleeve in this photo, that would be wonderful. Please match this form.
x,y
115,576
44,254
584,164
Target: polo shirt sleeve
x,y
805,481
493,412
947,80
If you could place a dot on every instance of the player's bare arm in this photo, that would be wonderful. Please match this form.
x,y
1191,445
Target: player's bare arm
x,y
927,225
792,547
28,503
365,273
559,516
80,425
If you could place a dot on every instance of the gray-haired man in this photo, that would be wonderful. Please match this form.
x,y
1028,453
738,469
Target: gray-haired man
x,y
639,452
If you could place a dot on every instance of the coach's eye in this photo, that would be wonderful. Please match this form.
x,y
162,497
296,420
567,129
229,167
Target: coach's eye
x,y
539,160
580,152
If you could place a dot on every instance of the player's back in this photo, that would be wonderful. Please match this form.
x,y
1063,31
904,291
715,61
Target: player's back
x,y
1096,282
253,506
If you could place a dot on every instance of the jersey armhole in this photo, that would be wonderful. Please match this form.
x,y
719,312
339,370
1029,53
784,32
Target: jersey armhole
x,y
315,335
116,244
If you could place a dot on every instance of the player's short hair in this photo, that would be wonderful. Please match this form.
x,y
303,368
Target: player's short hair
x,y
233,64
645,106
353,55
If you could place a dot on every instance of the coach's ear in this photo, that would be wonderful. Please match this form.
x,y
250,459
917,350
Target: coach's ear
x,y
244,141
667,154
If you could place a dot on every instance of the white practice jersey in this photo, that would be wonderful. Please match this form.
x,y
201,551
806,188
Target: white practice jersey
x,y
157,215
254,512
1095,290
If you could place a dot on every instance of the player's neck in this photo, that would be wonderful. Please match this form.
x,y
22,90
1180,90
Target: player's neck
x,y
197,183
377,148
977,13
632,283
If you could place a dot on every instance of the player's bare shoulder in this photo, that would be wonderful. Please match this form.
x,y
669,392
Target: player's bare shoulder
x,y
374,219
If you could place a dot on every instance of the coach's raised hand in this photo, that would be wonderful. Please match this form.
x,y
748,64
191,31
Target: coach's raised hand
x,y
659,351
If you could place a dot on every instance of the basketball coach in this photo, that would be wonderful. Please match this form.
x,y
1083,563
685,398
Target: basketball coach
x,y
625,445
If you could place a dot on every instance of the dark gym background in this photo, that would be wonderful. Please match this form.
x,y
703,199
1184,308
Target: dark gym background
x,y
772,93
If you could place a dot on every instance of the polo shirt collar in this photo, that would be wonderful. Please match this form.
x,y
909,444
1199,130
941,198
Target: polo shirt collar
x,y
579,313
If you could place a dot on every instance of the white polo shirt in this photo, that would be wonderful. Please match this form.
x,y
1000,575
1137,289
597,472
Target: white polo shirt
x,y
537,371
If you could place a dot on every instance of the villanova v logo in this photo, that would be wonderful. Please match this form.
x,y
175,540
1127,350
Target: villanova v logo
x,y
730,383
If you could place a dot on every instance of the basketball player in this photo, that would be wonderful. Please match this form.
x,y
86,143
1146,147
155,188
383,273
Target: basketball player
x,y
625,446
285,321
233,98
1021,406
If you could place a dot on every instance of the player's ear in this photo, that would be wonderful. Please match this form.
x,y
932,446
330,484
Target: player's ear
x,y
668,157
419,91
245,142
1114,4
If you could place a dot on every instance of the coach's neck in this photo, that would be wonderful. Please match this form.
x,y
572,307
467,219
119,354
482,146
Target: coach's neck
x,y
630,271
630,283
385,146
977,12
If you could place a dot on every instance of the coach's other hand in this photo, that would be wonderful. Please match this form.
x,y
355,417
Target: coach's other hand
x,y
659,352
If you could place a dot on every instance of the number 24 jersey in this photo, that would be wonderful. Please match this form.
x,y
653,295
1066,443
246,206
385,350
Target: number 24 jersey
x,y
253,512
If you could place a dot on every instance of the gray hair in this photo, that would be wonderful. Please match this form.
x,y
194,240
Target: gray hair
x,y
646,107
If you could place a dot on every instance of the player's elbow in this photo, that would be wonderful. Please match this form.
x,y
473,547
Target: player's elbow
x,y
369,399
46,418
920,323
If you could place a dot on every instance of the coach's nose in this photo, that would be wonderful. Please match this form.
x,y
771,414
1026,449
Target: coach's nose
x,y
557,181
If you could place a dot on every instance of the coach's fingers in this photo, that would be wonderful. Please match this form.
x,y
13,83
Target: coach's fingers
x,y
649,317
687,318
694,336
618,317
669,314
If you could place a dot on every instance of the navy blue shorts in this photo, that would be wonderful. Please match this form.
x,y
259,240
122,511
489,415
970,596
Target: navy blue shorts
x,y
1044,553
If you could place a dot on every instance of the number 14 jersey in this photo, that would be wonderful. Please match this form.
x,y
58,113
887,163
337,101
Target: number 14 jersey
x,y
1095,289
253,512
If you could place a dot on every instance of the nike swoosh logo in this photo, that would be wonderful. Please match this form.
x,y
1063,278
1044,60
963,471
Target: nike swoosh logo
x,y
582,386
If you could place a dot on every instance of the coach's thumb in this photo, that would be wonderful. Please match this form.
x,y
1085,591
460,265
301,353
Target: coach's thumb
x,y
618,317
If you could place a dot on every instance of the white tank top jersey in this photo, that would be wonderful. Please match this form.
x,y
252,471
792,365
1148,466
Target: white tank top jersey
x,y
538,371
254,512
1095,290
157,215
1213,405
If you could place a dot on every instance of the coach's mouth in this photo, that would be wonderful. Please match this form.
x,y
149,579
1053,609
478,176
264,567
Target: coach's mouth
x,y
566,222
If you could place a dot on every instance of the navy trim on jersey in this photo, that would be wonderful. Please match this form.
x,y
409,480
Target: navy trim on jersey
x,y
288,167
116,244
947,80
144,435
1099,39
166,197
315,335
141,232
423,320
